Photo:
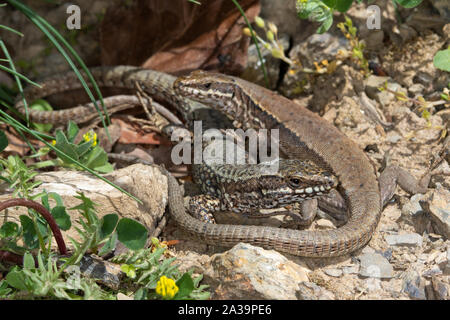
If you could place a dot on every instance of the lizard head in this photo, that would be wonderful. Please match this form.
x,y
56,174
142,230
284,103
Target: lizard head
x,y
214,89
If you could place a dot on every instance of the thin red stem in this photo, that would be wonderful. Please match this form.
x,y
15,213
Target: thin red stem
x,y
45,213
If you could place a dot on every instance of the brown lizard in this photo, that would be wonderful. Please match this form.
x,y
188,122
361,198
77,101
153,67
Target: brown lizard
x,y
303,135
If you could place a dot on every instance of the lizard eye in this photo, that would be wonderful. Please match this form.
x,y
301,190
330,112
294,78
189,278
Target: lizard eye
x,y
207,85
295,182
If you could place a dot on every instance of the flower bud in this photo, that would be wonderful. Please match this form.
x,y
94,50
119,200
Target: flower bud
x,y
272,27
247,32
269,35
259,22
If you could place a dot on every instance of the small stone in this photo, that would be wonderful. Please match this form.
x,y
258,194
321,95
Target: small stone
x,y
441,287
325,224
447,267
416,89
439,209
350,269
374,265
249,272
393,137
432,272
311,291
121,296
413,285
368,249
333,272
409,240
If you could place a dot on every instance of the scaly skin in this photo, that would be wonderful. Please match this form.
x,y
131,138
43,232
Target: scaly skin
x,y
303,134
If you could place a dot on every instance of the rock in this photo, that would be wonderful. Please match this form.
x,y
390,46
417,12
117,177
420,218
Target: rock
x,y
249,272
393,137
447,266
319,47
325,224
121,296
333,272
439,211
432,272
414,285
416,89
350,269
441,287
372,85
374,265
311,291
443,6
145,182
410,240
413,213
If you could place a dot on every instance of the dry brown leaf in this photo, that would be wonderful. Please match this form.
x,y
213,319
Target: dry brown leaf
x,y
177,35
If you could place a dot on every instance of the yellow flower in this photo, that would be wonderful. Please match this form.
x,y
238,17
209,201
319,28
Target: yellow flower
x,y
90,135
53,142
166,287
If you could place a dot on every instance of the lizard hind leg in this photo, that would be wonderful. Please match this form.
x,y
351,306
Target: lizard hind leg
x,y
202,207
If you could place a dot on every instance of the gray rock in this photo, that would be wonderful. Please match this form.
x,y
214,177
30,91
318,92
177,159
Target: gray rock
x,y
350,269
409,239
311,291
439,210
416,89
441,287
414,285
374,265
333,272
372,85
319,47
249,272
443,6
432,272
447,266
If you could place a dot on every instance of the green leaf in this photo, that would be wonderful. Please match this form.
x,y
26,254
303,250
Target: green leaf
x,y
185,286
61,217
16,279
107,225
129,270
141,294
29,233
9,229
96,158
109,245
343,5
65,146
3,141
28,261
326,24
72,131
408,3
442,60
132,234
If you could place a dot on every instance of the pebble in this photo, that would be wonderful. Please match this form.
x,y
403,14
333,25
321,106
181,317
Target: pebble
x,y
325,224
333,272
439,210
374,265
413,285
409,239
